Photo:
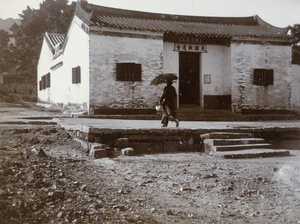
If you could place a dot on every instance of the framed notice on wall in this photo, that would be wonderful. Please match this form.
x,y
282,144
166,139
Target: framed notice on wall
x,y
207,79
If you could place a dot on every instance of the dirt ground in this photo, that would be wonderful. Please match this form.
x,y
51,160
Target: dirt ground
x,y
45,177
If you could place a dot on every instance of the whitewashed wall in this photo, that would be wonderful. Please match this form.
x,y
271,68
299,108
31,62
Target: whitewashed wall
x,y
171,64
76,53
216,62
44,64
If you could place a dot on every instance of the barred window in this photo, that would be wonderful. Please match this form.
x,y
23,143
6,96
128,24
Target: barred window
x,y
76,75
263,77
129,72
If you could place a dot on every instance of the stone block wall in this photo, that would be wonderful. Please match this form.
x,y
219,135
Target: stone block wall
x,y
108,50
245,58
296,88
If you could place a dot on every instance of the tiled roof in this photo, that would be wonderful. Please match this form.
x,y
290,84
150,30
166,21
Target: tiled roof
x,y
55,39
177,24
179,27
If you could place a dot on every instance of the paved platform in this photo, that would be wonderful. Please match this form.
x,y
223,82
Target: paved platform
x,y
30,113
146,135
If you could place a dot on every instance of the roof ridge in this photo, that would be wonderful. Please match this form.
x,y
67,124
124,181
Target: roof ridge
x,y
91,9
178,24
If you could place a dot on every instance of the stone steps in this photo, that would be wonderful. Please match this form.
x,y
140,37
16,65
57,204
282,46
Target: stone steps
x,y
226,135
238,145
220,142
253,153
241,147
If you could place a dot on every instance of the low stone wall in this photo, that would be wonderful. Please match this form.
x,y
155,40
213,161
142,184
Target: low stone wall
x,y
151,141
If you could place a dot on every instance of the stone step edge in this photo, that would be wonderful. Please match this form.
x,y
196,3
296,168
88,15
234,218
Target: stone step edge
x,y
223,142
253,153
224,135
241,147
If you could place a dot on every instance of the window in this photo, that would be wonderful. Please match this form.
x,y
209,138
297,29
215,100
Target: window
x,y
129,72
76,75
45,81
48,80
263,77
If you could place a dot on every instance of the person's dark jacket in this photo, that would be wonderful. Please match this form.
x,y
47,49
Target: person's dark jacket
x,y
169,97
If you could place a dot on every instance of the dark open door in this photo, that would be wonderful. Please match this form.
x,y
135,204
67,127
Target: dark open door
x,y
189,86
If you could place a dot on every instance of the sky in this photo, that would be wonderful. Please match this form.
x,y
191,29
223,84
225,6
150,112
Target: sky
x,y
280,13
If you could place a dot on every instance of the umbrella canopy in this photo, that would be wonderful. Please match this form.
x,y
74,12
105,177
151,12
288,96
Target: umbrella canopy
x,y
163,78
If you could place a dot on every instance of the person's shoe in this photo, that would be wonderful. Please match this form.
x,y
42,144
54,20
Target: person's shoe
x,y
177,123
164,126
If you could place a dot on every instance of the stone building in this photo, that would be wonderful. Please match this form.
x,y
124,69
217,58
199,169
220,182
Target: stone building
x,y
108,57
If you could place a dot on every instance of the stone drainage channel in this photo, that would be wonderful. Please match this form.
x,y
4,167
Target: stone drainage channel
x,y
103,142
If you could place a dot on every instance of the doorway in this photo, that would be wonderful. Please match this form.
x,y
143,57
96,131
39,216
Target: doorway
x,y
189,83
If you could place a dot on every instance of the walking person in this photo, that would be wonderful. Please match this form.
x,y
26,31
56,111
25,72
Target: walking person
x,y
168,101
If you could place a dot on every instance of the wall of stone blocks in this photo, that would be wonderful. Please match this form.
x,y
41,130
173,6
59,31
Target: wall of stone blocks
x,y
108,50
296,88
248,56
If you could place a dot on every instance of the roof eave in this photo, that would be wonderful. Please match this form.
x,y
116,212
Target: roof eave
x,y
83,14
47,38
263,23
282,40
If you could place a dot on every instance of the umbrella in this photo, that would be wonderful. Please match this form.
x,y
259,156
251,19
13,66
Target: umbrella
x,y
163,78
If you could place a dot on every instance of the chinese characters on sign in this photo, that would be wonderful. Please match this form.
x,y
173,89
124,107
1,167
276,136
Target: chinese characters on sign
x,y
190,48
194,40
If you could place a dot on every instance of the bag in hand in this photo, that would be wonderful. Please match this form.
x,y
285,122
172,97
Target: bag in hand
x,y
159,108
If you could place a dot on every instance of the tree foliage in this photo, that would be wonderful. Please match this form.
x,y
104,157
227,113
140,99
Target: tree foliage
x,y
7,59
4,50
54,16
296,47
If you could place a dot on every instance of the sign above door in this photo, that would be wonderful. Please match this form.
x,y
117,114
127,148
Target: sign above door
x,y
200,48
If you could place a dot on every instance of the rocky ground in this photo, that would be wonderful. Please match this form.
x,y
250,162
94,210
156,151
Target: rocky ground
x,y
45,177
